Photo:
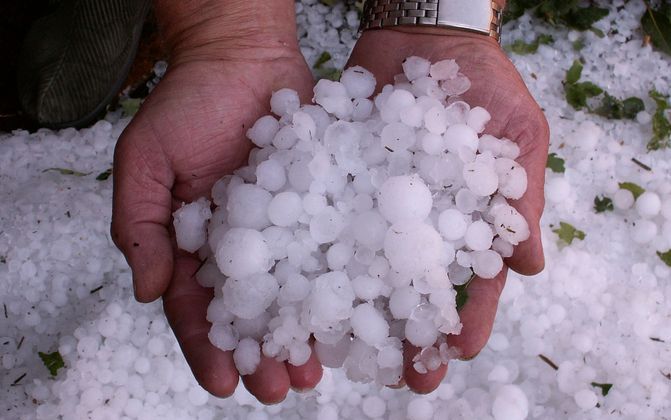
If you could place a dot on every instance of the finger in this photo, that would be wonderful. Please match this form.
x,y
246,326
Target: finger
x,y
421,383
140,213
270,383
477,315
306,376
185,304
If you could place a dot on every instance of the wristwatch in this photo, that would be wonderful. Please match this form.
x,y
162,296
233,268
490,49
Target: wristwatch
x,y
480,16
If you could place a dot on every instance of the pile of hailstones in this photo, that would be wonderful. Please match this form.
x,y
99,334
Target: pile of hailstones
x,y
354,220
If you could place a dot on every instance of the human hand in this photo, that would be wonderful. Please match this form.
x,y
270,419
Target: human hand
x,y
498,87
189,133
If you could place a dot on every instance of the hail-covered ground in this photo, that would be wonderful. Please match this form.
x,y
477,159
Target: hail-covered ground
x,y
587,338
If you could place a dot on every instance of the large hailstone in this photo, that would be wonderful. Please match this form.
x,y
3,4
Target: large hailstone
x,y
251,296
413,248
243,252
404,198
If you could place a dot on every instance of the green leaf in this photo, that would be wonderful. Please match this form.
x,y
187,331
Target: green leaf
x,y
66,171
523,48
331,74
567,233
665,256
573,74
130,106
615,109
635,189
578,93
52,361
323,58
555,163
328,2
583,18
631,107
602,204
578,44
104,175
661,126
657,25
605,388
462,293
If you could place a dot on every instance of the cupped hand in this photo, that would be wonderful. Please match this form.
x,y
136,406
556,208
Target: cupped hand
x,y
189,133
498,87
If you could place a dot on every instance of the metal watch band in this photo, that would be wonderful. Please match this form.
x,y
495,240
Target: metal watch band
x,y
481,16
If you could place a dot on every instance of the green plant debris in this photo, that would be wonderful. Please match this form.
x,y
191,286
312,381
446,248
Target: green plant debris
x,y
555,163
602,204
665,256
524,48
570,13
635,189
656,23
578,44
323,58
66,171
605,388
103,176
462,293
52,361
567,233
130,106
615,109
330,73
661,126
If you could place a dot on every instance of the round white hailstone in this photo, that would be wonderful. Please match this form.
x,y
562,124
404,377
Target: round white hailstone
x,y
644,231
643,118
457,112
435,120
304,126
397,101
452,224
326,226
295,289
263,131
247,356
366,287
333,97
338,255
369,229
511,226
456,86
243,252
331,298
285,209
512,178
444,69
270,175
190,223
314,203
278,238
397,136
248,207
586,136
486,264
557,189
419,408
362,108
369,325
666,209
648,204
224,336
250,297
412,116
432,144
359,82
299,353
480,178
217,313
413,248
404,198
402,301
503,247
333,355
284,102
460,138
416,67
465,201
623,199
510,403
479,236
478,117
373,406
285,138
585,399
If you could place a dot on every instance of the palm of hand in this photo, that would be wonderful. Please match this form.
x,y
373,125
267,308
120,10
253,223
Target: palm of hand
x,y
496,86
188,134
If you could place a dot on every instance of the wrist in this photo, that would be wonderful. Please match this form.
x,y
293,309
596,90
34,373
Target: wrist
x,y
227,29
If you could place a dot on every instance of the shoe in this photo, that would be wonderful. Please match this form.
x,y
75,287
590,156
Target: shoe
x,y
74,61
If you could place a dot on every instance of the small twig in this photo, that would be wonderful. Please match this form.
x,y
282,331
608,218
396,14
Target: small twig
x,y
17,380
641,164
202,263
18,346
549,362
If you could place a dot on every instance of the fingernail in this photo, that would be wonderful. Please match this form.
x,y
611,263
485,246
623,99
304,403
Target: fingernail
x,y
466,359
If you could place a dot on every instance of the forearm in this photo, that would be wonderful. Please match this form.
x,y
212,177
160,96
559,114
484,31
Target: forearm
x,y
215,24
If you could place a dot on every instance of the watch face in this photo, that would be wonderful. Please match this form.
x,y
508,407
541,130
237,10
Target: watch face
x,y
476,15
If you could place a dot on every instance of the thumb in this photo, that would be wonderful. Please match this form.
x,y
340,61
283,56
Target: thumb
x,y
141,210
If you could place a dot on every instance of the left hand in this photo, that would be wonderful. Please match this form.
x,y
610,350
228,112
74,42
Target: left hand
x,y
498,87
